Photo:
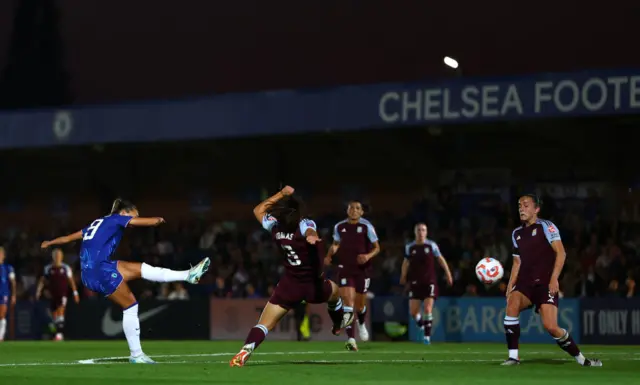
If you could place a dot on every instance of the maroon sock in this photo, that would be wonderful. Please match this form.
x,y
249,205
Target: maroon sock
x,y
361,315
257,334
336,311
567,344
512,331
351,331
428,323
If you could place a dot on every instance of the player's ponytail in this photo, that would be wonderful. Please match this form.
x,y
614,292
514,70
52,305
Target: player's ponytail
x,y
119,204
115,207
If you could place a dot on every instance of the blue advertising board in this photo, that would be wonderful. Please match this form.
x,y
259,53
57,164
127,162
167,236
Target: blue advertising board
x,y
457,100
481,320
611,321
31,319
389,309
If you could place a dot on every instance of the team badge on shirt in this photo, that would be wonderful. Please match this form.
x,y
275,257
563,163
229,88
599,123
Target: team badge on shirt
x,y
534,232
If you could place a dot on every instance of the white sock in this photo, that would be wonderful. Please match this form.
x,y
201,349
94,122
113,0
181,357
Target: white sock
x,y
131,326
159,274
580,359
513,353
418,318
3,328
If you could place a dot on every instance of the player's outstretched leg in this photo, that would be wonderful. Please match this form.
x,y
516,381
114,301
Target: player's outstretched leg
x,y
135,270
271,315
130,323
340,317
549,315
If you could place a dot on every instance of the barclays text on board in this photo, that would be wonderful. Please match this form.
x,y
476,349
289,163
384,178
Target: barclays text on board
x,y
482,320
526,99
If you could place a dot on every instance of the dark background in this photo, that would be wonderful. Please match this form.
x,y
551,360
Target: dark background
x,y
122,50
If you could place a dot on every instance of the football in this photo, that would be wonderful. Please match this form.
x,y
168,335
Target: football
x,y
489,271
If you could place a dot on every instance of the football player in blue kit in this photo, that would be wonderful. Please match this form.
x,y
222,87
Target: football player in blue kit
x,y
7,291
109,278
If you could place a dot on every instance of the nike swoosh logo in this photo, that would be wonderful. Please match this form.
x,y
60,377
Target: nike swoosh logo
x,y
111,327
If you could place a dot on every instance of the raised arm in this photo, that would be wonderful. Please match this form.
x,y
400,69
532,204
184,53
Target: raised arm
x,y
261,209
62,240
146,222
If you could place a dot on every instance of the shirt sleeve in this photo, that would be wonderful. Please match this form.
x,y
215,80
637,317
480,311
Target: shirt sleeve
x,y
268,221
371,233
123,220
68,271
551,231
306,224
436,250
12,273
407,251
336,234
516,250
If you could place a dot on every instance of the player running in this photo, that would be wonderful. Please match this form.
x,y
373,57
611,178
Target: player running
x,y
303,279
109,278
419,270
58,276
7,291
538,259
356,243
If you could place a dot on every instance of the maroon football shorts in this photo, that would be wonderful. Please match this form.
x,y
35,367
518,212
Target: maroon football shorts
x,y
57,301
537,294
359,280
291,291
422,291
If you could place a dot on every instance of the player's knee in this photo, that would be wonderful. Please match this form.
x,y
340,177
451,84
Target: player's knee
x,y
513,307
551,326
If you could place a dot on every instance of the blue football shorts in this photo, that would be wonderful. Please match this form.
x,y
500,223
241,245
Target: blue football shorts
x,y
103,279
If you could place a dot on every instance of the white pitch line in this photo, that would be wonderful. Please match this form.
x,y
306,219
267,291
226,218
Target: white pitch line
x,y
308,362
426,352
111,360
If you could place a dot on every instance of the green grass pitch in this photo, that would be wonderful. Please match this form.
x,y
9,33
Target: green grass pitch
x,y
308,363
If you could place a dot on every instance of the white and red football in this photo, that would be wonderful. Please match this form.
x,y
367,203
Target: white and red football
x,y
489,271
